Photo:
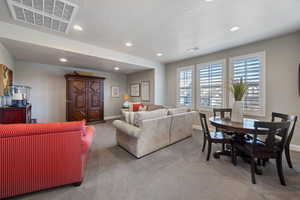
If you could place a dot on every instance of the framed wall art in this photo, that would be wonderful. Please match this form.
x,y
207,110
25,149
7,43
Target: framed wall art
x,y
115,92
6,79
135,90
145,87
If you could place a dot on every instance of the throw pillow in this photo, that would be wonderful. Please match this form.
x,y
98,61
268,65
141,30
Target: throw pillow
x,y
143,108
136,107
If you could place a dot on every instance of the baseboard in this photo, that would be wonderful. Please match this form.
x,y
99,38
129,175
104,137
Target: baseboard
x,y
112,117
294,147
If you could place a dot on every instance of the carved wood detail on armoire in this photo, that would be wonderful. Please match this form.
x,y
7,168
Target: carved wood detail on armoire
x,y
85,98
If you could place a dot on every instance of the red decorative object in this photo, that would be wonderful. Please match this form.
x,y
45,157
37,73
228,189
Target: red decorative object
x,y
136,107
34,157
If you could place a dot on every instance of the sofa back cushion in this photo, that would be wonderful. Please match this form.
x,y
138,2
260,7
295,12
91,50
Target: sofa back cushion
x,y
174,111
13,130
144,115
128,116
153,107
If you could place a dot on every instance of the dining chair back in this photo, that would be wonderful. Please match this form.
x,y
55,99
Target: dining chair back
x,y
292,119
204,125
271,147
222,112
270,130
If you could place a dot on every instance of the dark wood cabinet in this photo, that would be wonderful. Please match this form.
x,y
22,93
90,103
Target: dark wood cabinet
x,y
85,98
15,115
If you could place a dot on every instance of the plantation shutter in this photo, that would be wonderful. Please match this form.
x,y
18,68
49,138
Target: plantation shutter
x,y
250,70
211,84
185,87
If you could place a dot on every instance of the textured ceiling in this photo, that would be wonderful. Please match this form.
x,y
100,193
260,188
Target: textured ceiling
x,y
173,26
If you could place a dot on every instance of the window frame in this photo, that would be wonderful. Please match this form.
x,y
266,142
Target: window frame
x,y
224,83
190,67
262,57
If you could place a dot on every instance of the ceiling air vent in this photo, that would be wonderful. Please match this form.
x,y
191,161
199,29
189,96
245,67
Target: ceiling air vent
x,y
55,15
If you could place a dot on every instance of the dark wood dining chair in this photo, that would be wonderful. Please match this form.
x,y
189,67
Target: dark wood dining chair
x,y
270,148
292,119
222,112
212,137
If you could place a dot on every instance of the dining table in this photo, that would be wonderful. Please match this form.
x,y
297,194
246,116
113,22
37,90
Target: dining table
x,y
238,129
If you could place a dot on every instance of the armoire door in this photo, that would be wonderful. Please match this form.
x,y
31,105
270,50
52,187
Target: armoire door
x,y
95,100
76,100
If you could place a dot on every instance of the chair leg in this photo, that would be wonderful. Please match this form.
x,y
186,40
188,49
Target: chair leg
x,y
204,143
234,156
253,170
288,156
279,170
223,147
209,151
259,163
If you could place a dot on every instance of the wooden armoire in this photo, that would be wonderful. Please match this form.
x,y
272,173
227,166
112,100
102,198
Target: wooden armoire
x,y
85,98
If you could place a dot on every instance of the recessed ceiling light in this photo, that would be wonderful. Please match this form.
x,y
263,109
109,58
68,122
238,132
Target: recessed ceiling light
x,y
63,60
77,28
117,68
209,0
235,28
159,54
128,44
193,49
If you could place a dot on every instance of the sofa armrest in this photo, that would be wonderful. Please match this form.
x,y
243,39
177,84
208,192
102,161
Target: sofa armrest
x,y
87,139
127,128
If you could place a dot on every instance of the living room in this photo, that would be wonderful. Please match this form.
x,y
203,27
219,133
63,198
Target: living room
x,y
121,99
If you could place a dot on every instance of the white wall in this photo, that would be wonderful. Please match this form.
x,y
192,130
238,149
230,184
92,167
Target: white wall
x,y
48,94
282,61
160,85
6,58
146,75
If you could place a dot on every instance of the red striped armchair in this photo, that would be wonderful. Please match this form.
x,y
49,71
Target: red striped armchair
x,y
34,157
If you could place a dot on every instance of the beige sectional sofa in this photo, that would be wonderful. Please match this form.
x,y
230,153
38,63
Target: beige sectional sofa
x,y
153,130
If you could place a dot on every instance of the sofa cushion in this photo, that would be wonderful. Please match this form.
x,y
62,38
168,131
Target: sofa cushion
x,y
144,115
129,117
174,111
13,130
153,107
125,115
87,139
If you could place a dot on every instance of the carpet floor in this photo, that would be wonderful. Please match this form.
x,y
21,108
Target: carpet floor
x,y
178,172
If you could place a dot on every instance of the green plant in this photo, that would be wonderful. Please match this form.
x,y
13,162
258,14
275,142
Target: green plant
x,y
239,89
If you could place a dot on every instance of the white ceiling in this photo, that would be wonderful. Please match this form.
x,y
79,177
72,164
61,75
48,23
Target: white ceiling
x,y
46,55
173,26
